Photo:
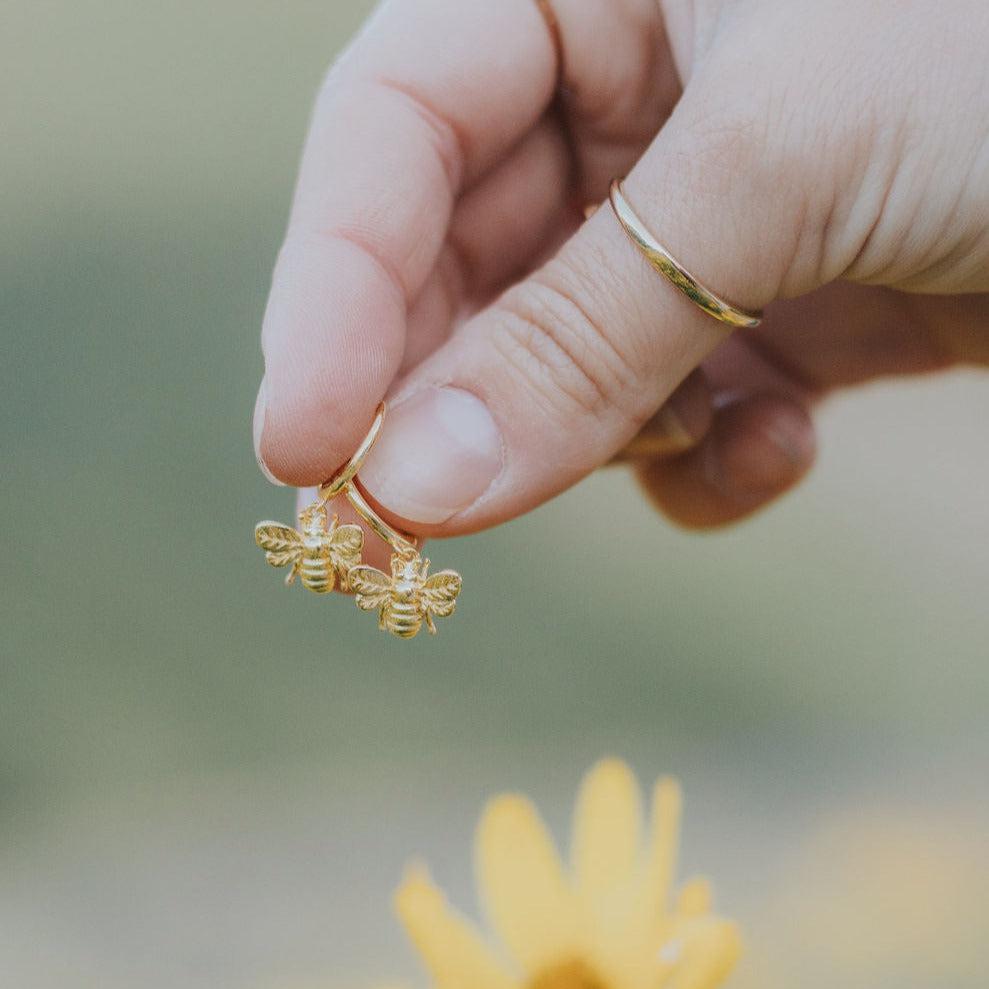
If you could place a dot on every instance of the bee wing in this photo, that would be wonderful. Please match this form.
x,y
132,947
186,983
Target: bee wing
x,y
345,543
371,587
281,544
439,595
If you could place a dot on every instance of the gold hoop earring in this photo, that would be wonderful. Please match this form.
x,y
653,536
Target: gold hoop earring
x,y
327,555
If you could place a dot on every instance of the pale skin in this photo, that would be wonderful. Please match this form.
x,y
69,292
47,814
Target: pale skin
x,y
826,161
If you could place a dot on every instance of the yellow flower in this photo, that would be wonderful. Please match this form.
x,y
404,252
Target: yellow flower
x,y
610,922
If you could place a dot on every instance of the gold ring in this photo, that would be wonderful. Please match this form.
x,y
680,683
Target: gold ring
x,y
331,488
667,265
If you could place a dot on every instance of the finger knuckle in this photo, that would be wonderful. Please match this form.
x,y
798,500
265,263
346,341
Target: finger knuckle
x,y
552,333
721,143
745,171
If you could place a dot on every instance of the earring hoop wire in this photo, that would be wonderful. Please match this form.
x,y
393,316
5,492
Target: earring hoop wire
x,y
344,483
401,543
338,483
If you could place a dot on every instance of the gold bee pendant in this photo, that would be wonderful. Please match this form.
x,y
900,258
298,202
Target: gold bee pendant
x,y
322,553
407,598
327,555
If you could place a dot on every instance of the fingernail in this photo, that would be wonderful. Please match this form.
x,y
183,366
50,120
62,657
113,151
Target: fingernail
x,y
794,440
439,451
663,435
259,411
763,449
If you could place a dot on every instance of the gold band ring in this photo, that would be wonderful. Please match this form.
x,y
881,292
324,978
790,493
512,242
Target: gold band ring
x,y
331,488
668,266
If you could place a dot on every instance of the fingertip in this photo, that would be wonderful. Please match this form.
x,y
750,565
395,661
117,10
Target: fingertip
x,y
758,448
761,446
333,335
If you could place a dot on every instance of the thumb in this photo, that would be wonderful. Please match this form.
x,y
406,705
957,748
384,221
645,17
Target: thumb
x,y
559,374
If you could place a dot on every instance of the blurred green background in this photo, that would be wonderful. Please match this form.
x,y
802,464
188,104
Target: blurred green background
x,y
206,780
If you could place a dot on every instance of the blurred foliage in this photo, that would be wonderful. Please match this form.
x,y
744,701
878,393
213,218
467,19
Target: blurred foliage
x,y
154,670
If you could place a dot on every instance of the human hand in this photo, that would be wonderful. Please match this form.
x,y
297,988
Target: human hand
x,y
835,156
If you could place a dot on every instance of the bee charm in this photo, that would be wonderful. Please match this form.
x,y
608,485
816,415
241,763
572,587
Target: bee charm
x,y
326,555
321,554
409,597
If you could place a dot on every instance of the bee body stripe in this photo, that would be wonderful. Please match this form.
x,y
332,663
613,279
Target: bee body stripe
x,y
404,618
317,573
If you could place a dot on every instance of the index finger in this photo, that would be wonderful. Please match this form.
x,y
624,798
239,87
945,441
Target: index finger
x,y
427,99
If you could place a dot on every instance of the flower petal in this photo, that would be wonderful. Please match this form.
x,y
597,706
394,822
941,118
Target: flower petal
x,y
639,919
664,846
710,952
521,883
449,944
696,898
607,830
